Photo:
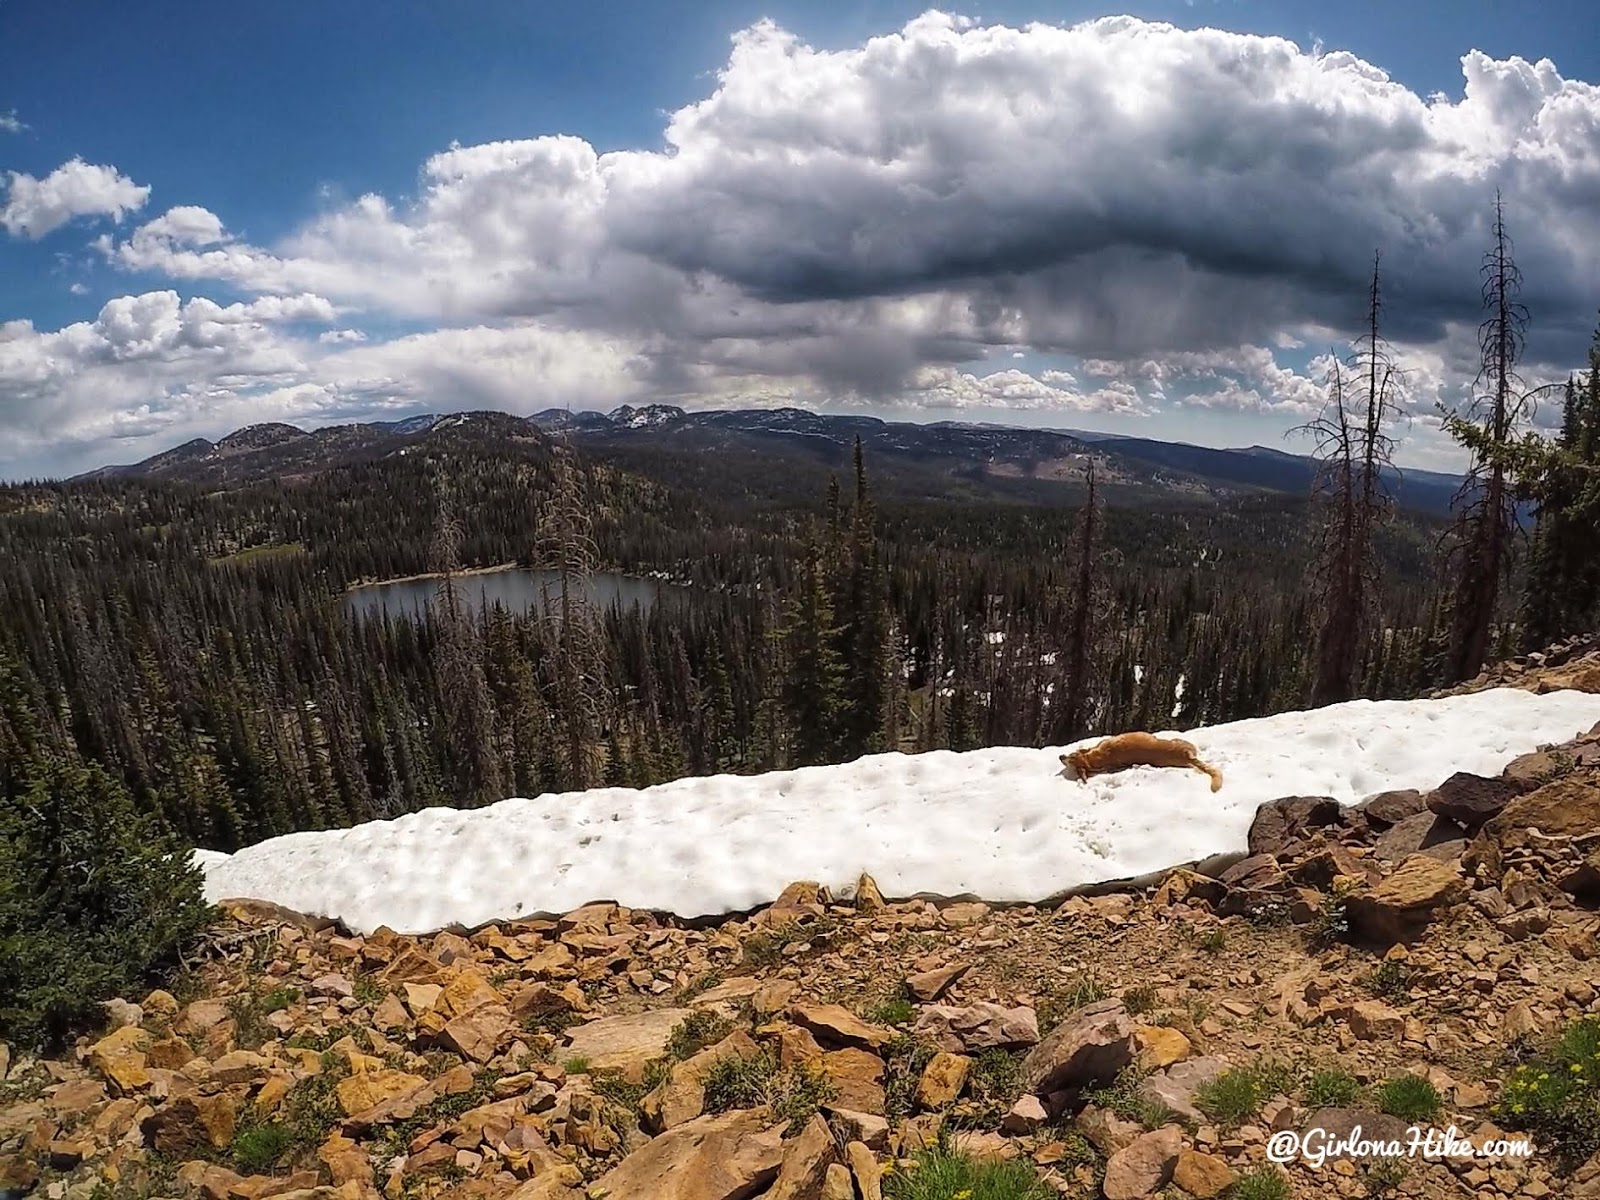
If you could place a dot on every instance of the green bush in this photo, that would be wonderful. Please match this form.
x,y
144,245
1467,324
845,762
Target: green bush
x,y
1332,1088
1264,1183
944,1175
257,1149
95,899
697,1031
1410,1097
1556,1095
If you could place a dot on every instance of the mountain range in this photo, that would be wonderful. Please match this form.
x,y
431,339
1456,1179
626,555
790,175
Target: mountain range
x,y
957,452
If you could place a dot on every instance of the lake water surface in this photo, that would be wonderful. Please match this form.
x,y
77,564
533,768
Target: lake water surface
x,y
515,589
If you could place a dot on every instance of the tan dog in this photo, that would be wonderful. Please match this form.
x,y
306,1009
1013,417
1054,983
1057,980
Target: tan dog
x,y
1125,750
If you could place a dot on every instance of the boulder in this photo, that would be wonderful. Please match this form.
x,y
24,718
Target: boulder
x,y
1203,1175
479,1034
868,898
942,1079
1414,834
1025,1116
1472,800
837,1184
1160,1046
927,986
1143,1168
1092,1045
1259,872
835,1025
1390,808
1176,1086
366,1090
1402,904
730,1156
806,1159
1373,1021
626,1043
981,1026
864,1167
1568,807
1278,823
857,1079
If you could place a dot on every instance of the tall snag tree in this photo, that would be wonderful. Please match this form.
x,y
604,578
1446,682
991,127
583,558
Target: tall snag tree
x,y
566,547
1354,448
1067,715
1486,504
458,654
864,634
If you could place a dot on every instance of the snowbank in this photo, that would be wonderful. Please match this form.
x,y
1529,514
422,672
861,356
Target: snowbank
x,y
1003,824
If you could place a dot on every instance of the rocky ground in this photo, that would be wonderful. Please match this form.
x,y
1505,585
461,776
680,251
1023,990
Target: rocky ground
x,y
1380,966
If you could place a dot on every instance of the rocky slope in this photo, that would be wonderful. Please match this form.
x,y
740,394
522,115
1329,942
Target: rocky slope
x,y
1398,955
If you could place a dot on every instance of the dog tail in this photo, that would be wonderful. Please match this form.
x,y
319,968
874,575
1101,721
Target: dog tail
x,y
1216,775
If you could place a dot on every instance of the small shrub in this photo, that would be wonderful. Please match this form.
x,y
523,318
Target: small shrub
x,y
1555,1096
896,1010
1213,940
1384,1175
904,1058
96,898
249,1019
1236,1095
697,1031
311,1109
1264,1183
1086,990
1122,1098
615,1087
1332,1088
368,990
994,1084
701,984
280,998
794,1095
1139,1000
258,1148
1389,980
944,1175
1410,1097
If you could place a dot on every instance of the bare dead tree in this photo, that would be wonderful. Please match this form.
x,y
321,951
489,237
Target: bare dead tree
x,y
469,712
1355,451
1482,537
565,546
1068,723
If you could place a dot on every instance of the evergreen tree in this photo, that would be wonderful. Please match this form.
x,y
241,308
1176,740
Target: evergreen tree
x,y
814,682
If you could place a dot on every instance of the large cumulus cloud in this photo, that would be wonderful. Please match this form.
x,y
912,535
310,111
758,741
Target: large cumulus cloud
x,y
1173,210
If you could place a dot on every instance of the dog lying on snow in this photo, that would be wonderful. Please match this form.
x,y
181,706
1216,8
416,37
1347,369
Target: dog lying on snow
x,y
1125,750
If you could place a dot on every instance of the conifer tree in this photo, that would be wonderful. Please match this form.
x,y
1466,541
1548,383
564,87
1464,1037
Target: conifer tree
x,y
814,681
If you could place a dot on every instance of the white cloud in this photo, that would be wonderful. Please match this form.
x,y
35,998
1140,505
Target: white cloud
x,y
10,122
1178,211
36,207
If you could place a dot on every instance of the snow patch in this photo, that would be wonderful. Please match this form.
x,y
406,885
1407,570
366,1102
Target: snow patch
x,y
1003,824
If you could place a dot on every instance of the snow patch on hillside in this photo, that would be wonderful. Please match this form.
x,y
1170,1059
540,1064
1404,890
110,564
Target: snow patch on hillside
x,y
1004,824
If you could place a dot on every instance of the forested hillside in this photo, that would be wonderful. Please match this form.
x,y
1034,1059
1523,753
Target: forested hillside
x,y
191,638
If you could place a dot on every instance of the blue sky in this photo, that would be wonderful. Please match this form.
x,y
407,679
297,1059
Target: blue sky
x,y
276,120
